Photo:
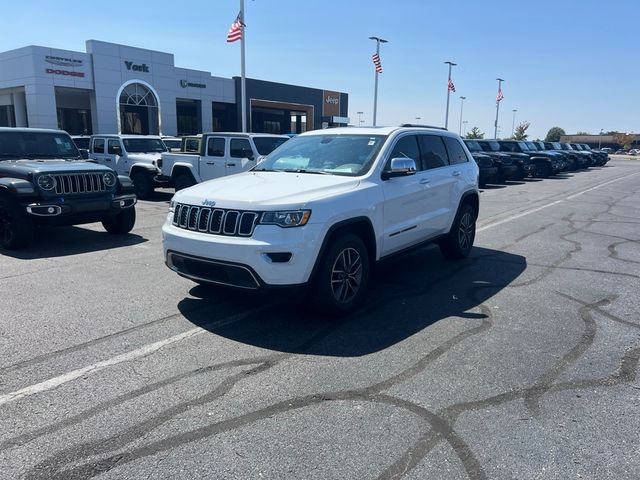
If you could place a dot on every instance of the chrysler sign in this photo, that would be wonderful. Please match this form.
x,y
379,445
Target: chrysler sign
x,y
62,61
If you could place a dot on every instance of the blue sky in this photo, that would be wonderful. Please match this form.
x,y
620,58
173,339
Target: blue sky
x,y
572,64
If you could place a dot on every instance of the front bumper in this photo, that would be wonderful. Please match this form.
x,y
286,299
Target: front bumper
x,y
78,210
243,262
509,171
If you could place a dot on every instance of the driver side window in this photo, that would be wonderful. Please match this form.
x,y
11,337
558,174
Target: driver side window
x,y
406,147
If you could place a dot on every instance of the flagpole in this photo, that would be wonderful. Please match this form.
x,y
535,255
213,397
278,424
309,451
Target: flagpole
x,y
243,85
375,90
495,133
446,118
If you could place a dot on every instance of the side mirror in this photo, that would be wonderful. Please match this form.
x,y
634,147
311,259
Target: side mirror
x,y
117,151
248,154
400,167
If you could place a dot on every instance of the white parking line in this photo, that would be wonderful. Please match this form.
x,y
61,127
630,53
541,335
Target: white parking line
x,y
542,207
125,357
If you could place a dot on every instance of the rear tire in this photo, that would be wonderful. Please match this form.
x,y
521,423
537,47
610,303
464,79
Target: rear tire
x,y
142,185
459,242
121,223
183,181
16,229
342,277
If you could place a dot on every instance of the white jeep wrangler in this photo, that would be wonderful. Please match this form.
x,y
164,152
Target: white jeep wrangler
x,y
323,207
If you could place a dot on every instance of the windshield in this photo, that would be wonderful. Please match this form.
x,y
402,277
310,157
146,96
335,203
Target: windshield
x,y
332,154
556,146
523,146
40,145
585,146
566,146
172,143
473,146
144,145
490,146
576,146
509,146
532,146
266,145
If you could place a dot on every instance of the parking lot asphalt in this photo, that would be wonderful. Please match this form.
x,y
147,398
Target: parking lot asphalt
x,y
519,362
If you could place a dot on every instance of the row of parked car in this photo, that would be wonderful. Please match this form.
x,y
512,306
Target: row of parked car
x,y
502,160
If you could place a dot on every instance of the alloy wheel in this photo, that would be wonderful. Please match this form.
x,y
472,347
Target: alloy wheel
x,y
346,275
465,231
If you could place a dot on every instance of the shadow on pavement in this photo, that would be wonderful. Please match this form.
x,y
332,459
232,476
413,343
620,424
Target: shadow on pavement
x,y
64,241
406,295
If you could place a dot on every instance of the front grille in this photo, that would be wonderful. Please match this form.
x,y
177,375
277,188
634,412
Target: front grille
x,y
484,162
506,160
70,183
216,221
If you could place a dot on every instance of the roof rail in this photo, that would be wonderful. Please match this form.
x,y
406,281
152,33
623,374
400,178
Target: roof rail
x,y
415,125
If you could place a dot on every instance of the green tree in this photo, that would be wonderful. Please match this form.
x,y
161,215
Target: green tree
x,y
475,133
582,133
624,140
554,134
520,132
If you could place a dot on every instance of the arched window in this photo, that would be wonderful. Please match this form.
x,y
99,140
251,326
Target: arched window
x,y
139,113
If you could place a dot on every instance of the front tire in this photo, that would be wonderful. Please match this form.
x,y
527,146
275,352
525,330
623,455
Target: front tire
x,y
16,229
342,276
142,185
121,223
459,242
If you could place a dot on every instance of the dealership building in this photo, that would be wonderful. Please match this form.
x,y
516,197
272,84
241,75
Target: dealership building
x,y
120,89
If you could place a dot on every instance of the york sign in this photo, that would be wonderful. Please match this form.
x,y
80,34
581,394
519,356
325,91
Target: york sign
x,y
136,67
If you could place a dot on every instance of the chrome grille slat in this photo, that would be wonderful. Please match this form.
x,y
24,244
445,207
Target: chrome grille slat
x,y
215,221
78,183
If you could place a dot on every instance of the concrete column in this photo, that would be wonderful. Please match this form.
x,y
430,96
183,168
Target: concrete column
x,y
20,108
206,108
41,106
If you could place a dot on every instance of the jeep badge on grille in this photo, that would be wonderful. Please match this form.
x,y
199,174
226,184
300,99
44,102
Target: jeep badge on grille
x,y
208,203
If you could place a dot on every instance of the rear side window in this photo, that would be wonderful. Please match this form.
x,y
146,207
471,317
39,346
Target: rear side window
x,y
216,147
406,147
192,145
457,154
112,145
434,154
98,145
240,148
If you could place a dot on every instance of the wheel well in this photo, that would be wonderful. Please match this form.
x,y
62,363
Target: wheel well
x,y
358,226
136,170
473,200
181,170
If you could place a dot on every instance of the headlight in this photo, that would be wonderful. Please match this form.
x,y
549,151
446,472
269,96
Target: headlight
x,y
109,179
287,218
46,182
172,206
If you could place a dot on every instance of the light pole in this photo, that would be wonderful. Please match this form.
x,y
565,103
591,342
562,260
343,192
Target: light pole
x,y
359,118
446,118
464,129
600,138
513,124
418,119
462,99
378,41
498,98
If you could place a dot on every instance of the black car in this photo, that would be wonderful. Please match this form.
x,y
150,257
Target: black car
x,y
546,165
575,161
45,181
584,158
488,171
506,167
526,168
602,157
559,156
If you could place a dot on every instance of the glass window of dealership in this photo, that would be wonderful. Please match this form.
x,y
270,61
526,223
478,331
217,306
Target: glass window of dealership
x,y
122,89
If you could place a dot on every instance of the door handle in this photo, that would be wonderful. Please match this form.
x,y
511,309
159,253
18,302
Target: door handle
x,y
456,173
231,164
425,181
107,159
211,163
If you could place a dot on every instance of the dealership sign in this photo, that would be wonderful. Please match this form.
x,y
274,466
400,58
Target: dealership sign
x,y
330,103
67,73
185,84
141,67
62,61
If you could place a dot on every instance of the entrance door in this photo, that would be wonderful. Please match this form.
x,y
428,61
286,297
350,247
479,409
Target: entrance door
x,y
139,110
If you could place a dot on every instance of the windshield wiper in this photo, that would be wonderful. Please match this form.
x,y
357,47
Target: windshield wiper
x,y
304,170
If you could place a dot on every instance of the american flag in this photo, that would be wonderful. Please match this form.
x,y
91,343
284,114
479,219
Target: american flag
x,y
235,32
376,62
452,87
500,95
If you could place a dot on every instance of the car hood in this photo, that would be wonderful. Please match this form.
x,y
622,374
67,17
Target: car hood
x,y
258,190
25,167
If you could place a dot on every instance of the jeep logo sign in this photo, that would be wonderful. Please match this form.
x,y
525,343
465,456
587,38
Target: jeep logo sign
x,y
330,104
185,84
136,67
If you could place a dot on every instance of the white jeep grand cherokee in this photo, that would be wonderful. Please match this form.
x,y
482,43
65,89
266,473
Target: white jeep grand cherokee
x,y
322,208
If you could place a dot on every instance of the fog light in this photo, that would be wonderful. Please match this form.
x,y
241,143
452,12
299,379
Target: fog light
x,y
279,257
51,210
122,203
